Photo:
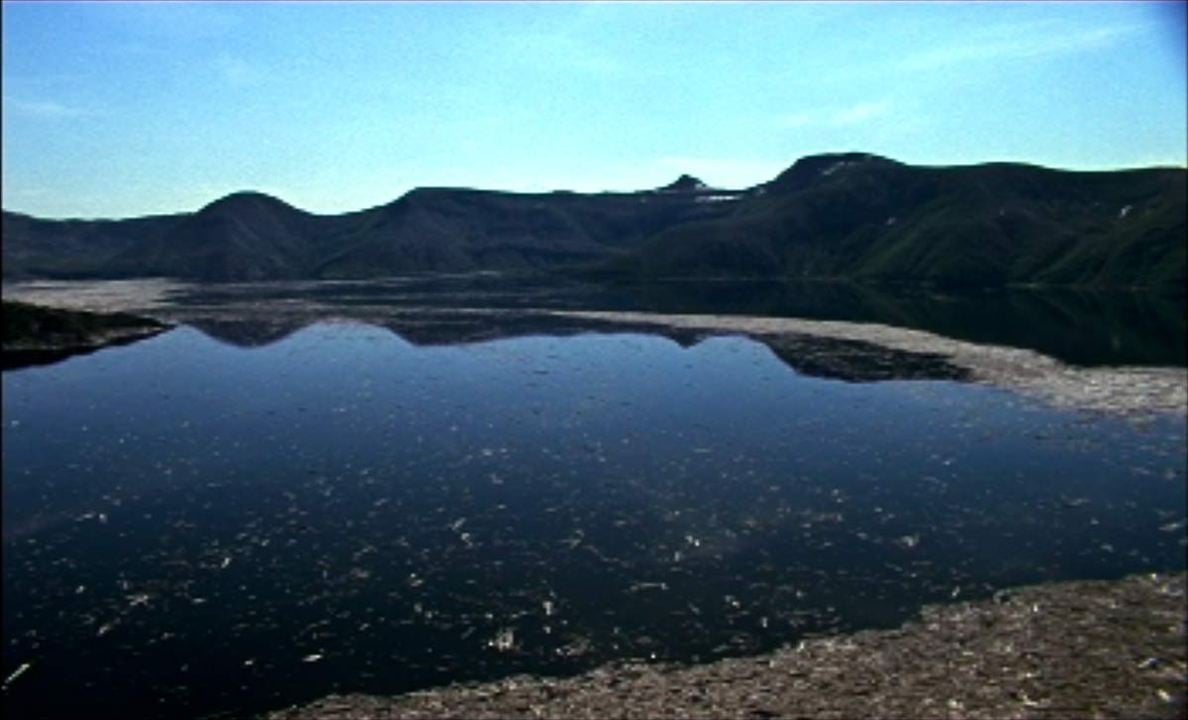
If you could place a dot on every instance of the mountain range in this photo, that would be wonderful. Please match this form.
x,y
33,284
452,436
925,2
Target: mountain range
x,y
836,216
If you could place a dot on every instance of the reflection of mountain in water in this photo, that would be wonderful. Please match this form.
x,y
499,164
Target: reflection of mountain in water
x,y
834,359
20,359
1081,328
856,361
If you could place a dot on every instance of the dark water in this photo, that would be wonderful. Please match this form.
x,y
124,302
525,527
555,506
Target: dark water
x,y
192,527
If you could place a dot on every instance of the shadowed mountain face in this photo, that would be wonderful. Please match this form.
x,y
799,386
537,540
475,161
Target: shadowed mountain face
x,y
866,217
441,230
251,236
847,215
248,236
79,248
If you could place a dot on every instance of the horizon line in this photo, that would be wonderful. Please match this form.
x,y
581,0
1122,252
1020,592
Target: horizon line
x,y
709,188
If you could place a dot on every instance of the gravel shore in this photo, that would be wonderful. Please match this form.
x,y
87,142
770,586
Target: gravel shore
x,y
1067,650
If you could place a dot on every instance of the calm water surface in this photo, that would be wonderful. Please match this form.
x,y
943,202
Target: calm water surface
x,y
193,528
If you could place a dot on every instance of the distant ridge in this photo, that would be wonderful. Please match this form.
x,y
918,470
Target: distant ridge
x,y
685,183
854,216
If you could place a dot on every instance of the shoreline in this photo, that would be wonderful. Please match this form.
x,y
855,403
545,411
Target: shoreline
x,y
1080,649
1088,649
1114,390
42,334
1132,391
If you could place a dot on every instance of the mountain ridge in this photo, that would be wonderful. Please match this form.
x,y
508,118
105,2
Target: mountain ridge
x,y
846,155
845,215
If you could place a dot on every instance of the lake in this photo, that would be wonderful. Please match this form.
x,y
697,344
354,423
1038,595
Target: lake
x,y
257,509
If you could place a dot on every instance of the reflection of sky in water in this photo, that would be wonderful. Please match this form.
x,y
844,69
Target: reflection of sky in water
x,y
191,527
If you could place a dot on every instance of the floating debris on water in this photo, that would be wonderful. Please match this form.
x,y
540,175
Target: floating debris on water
x,y
641,586
595,528
504,640
908,541
21,670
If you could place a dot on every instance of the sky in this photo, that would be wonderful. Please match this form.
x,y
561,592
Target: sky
x,y
127,109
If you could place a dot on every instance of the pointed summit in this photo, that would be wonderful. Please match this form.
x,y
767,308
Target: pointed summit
x,y
685,183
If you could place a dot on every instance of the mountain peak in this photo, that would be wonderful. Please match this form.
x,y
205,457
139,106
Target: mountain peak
x,y
246,199
811,168
825,161
685,183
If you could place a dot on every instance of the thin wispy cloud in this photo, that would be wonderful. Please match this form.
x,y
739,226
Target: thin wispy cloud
x,y
839,116
42,109
1031,40
860,113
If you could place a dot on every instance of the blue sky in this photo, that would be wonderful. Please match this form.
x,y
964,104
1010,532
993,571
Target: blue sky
x,y
115,110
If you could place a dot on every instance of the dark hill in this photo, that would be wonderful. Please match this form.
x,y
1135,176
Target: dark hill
x,y
452,230
74,248
244,236
849,215
865,217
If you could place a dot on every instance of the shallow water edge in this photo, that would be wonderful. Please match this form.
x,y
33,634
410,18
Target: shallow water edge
x,y
1106,649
